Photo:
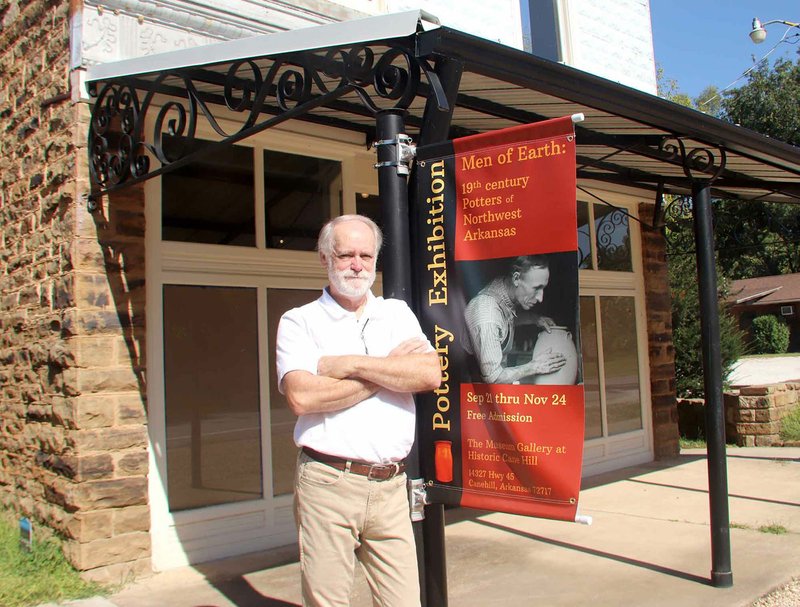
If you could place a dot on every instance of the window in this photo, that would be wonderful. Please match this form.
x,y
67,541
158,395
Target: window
x,y
301,194
610,366
212,396
209,200
620,365
604,240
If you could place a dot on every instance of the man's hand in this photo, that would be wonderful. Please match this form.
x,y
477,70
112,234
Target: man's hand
x,y
546,323
547,362
343,366
415,345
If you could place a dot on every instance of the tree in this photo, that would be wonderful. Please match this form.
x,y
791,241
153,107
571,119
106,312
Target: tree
x,y
686,333
768,103
709,101
682,268
762,238
753,238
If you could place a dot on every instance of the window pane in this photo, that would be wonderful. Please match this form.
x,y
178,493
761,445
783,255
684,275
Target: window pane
x,y
212,396
591,370
584,237
301,193
613,239
284,452
621,364
210,200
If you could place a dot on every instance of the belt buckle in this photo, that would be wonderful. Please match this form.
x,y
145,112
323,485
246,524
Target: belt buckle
x,y
382,467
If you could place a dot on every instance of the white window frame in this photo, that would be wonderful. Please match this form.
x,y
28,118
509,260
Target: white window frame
x,y
606,453
197,535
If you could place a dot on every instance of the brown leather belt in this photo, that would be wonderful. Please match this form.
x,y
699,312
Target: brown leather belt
x,y
374,472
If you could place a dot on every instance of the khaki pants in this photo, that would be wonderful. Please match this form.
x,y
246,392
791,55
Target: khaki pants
x,y
342,516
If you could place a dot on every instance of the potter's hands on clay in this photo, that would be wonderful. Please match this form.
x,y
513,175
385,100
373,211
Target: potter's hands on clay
x,y
547,362
546,323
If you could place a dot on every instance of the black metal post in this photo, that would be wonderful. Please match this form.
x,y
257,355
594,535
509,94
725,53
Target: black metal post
x,y
393,193
721,574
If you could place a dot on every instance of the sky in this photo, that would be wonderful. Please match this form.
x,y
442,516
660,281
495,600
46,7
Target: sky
x,y
703,42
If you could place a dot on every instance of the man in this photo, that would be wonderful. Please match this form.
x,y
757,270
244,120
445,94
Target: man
x,y
490,317
348,364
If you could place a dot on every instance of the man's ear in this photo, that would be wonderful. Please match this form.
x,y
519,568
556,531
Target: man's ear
x,y
515,279
323,260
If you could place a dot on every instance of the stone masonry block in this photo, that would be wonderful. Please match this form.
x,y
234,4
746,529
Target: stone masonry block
x,y
89,526
131,463
110,439
766,440
756,390
757,429
92,291
95,350
754,402
95,495
103,552
120,573
131,409
133,518
94,410
766,415
120,379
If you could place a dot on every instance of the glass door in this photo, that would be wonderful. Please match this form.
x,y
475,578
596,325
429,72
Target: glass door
x,y
213,426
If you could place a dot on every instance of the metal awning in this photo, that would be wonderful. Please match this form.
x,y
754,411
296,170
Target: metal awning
x,y
343,74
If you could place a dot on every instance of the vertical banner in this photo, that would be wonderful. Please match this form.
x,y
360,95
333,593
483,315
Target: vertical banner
x,y
496,272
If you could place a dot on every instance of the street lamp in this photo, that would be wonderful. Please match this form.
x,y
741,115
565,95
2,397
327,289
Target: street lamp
x,y
758,34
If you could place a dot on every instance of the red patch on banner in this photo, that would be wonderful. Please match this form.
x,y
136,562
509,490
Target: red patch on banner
x,y
516,456
508,189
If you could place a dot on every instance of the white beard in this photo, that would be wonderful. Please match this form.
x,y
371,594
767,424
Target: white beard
x,y
350,284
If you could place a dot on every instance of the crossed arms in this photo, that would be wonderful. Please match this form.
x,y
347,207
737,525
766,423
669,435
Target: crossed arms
x,y
343,381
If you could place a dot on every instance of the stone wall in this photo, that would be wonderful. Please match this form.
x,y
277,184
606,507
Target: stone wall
x,y
661,351
73,439
753,414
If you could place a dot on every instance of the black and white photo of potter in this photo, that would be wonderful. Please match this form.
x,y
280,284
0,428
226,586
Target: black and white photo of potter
x,y
521,319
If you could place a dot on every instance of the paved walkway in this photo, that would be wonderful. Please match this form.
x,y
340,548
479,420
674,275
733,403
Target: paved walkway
x,y
765,370
649,545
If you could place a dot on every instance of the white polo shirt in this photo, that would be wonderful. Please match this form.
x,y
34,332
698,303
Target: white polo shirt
x,y
379,429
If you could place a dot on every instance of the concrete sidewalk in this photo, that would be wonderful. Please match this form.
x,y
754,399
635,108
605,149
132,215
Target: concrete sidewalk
x,y
649,545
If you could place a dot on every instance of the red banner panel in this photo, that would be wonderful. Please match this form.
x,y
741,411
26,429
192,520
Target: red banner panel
x,y
496,271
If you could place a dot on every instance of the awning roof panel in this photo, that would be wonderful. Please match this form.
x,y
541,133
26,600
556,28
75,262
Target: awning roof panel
x,y
499,87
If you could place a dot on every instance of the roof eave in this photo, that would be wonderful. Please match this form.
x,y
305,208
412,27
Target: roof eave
x,y
492,59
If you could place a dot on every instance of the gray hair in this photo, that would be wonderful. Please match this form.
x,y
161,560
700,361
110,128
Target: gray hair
x,y
325,240
525,262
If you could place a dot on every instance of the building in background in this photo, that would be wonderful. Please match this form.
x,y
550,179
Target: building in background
x,y
139,413
778,296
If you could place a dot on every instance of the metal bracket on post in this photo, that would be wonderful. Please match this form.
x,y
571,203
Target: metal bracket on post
x,y
417,499
405,152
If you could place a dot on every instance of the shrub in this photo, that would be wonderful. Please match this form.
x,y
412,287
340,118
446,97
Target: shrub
x,y
686,334
790,426
770,335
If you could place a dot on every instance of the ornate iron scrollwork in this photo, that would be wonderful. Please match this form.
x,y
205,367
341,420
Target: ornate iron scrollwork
x,y
382,78
703,163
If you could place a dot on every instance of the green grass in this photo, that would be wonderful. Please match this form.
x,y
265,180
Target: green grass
x,y
773,529
790,426
40,576
692,443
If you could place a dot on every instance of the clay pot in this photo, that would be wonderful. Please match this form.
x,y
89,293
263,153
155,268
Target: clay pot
x,y
558,340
